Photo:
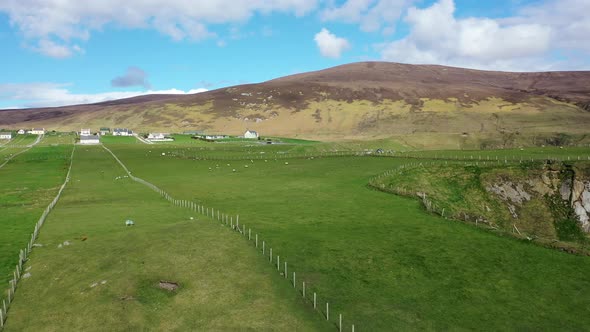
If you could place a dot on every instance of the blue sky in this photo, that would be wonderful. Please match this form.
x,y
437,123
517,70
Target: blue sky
x,y
60,52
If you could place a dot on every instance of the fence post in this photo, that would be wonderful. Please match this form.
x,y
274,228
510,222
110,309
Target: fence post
x,y
256,240
294,280
249,233
286,270
340,323
327,311
315,297
270,255
278,262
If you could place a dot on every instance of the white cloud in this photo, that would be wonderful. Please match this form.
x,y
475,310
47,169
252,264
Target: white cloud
x,y
330,46
372,15
57,94
437,37
54,50
568,19
67,20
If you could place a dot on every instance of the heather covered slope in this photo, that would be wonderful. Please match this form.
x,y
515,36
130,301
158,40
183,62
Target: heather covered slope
x,y
459,107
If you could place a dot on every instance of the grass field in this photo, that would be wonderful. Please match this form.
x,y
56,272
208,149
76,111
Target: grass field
x,y
224,285
379,259
29,182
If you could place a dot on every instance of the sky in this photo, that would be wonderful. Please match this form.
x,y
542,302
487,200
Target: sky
x,y
64,52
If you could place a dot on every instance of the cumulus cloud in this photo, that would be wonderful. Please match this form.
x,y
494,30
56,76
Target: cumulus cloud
x,y
372,15
133,77
568,19
58,94
67,20
330,46
437,37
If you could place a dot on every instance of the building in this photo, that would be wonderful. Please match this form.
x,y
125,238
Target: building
x,y
156,136
89,139
159,137
21,132
5,135
37,131
122,132
105,131
85,132
211,137
250,134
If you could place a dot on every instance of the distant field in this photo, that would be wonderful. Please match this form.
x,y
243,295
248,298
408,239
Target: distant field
x,y
118,139
378,258
58,138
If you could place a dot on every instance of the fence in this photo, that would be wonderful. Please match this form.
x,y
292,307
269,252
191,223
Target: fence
x,y
23,151
261,246
24,253
188,154
479,221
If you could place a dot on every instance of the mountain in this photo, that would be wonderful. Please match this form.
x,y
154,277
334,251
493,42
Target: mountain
x,y
419,105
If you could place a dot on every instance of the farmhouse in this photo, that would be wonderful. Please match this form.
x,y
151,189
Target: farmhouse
x,y
105,131
122,132
5,135
250,134
159,137
156,136
21,132
85,132
37,131
89,139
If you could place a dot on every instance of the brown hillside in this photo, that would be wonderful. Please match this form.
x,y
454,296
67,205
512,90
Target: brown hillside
x,y
360,100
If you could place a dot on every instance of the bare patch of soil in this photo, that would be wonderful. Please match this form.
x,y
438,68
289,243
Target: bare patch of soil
x,y
168,285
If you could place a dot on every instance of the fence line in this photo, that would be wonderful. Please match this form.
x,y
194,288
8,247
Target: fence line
x,y
228,220
477,220
28,147
24,253
364,153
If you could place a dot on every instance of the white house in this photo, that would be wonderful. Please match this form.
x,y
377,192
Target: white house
x,y
21,132
5,135
85,132
89,139
250,134
105,131
37,131
159,137
156,136
122,132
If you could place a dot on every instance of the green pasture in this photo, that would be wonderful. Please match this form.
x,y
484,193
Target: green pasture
x,y
379,259
29,183
109,139
106,276
57,138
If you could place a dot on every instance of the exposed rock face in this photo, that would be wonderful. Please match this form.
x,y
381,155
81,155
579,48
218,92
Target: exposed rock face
x,y
509,191
581,203
574,190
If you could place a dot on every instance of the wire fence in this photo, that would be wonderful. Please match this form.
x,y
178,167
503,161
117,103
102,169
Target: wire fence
x,y
379,183
308,293
24,253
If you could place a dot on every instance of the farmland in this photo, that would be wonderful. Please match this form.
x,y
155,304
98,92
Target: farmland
x,y
380,260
